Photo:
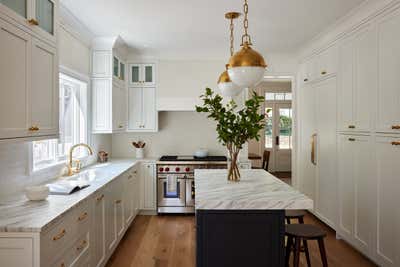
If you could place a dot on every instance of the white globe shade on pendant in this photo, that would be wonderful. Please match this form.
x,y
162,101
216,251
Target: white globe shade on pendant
x,y
227,87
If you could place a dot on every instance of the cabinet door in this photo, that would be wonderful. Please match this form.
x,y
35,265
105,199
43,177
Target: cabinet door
x,y
356,194
16,252
45,14
345,85
18,6
102,108
44,92
99,222
388,199
307,126
119,207
326,186
129,197
149,186
101,64
149,108
15,54
111,236
388,113
326,62
115,67
135,75
136,195
148,72
135,108
365,79
119,98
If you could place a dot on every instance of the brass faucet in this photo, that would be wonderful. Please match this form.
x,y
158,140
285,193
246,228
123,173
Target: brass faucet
x,y
72,170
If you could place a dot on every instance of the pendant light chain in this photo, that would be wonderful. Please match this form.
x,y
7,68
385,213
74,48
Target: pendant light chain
x,y
231,37
246,37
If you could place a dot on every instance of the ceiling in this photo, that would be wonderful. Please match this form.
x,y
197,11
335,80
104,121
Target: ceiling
x,y
197,29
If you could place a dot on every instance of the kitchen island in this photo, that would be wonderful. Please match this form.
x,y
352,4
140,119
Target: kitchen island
x,y
242,223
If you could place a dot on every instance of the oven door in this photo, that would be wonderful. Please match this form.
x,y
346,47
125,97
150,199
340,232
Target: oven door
x,y
174,198
190,192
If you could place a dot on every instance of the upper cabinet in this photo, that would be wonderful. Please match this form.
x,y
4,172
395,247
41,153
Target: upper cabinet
x,y
388,97
142,75
319,67
29,75
357,81
38,16
109,87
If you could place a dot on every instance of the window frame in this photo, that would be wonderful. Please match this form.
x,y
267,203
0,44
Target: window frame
x,y
51,167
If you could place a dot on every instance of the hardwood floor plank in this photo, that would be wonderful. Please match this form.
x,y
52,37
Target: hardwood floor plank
x,y
170,241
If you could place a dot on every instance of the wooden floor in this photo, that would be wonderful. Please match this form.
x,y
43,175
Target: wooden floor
x,y
169,241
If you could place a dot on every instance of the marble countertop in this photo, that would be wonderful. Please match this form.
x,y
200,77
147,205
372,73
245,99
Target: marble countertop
x,y
23,215
257,189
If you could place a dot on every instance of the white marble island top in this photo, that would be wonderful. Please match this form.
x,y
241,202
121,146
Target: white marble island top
x,y
257,189
23,215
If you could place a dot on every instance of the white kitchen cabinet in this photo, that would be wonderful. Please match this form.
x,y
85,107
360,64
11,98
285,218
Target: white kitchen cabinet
x,y
109,106
388,111
38,16
387,186
131,196
357,78
326,182
111,236
29,73
142,75
44,97
148,186
326,63
15,73
98,251
356,191
142,113
16,252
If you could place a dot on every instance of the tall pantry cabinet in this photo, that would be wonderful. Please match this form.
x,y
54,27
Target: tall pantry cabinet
x,y
364,189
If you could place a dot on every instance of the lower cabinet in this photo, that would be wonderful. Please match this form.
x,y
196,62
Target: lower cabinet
x,y
148,186
356,191
131,195
98,255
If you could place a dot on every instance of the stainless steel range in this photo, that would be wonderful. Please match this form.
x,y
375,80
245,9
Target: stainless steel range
x,y
175,181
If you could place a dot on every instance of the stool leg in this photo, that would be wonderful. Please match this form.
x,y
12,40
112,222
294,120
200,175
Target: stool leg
x,y
288,250
306,252
323,252
296,259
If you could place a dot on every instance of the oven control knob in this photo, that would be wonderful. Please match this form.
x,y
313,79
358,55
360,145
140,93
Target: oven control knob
x,y
177,169
161,169
167,169
187,169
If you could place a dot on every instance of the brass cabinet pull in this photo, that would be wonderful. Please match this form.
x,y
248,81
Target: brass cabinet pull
x,y
306,80
352,139
60,235
82,246
323,72
395,127
396,143
33,22
34,128
130,177
118,201
83,216
100,197
62,264
135,172
352,126
313,149
120,126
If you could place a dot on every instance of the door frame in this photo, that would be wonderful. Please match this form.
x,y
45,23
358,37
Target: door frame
x,y
285,76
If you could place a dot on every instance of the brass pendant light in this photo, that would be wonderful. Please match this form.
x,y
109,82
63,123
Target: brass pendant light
x,y
225,85
246,68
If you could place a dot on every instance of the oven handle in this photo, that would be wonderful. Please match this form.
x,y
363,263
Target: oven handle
x,y
178,176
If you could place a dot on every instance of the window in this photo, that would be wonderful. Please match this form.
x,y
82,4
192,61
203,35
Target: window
x,y
278,96
73,125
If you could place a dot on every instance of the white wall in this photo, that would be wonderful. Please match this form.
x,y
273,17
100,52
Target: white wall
x,y
179,133
14,158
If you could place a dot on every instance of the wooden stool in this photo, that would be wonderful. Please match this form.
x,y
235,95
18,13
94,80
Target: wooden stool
x,y
295,214
304,232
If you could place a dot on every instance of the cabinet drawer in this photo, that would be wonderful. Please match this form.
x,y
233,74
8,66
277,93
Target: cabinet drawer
x,y
81,218
74,255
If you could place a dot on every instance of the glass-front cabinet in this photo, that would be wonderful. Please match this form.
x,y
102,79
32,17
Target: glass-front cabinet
x,y
118,69
142,75
38,15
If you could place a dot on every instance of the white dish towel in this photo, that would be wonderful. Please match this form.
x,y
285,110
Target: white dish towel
x,y
171,184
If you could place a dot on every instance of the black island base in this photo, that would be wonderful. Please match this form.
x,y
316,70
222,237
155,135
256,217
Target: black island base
x,y
240,238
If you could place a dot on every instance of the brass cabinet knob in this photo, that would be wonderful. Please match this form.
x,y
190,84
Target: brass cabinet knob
x,y
118,201
306,80
323,72
395,127
352,126
396,143
352,139
33,22
34,129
